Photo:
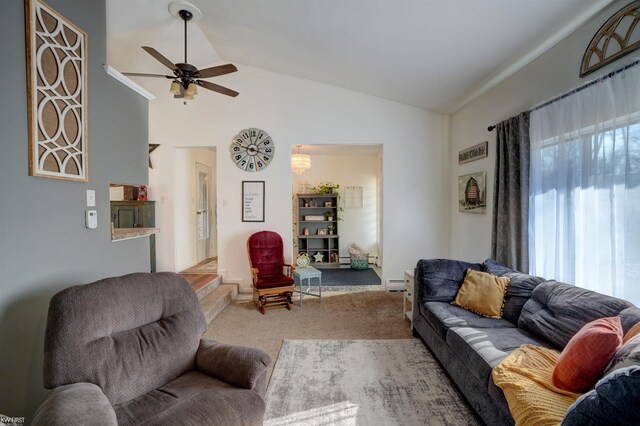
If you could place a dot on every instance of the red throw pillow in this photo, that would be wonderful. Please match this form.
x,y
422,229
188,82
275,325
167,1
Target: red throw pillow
x,y
587,354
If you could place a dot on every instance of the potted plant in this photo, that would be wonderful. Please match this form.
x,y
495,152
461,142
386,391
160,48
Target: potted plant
x,y
331,229
329,216
325,188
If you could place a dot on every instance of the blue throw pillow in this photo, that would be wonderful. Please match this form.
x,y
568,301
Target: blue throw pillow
x,y
614,401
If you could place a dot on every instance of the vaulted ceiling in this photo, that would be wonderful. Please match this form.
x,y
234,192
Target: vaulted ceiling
x,y
433,54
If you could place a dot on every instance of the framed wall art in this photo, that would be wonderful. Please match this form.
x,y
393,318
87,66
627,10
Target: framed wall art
x,y
252,201
57,94
472,193
473,153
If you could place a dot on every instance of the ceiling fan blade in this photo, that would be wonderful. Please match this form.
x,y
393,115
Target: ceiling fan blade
x,y
217,88
164,61
216,71
140,74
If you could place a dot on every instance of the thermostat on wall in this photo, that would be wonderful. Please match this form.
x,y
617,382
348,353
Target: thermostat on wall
x,y
91,219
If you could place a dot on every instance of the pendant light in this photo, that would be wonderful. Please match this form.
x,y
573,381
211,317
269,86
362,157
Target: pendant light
x,y
300,162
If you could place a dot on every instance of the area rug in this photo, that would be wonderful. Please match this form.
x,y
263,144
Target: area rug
x,y
361,382
344,276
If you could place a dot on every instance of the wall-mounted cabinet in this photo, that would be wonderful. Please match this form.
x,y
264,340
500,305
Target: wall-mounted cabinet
x,y
317,228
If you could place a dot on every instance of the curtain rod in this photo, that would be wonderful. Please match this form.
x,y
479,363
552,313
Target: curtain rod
x,y
584,86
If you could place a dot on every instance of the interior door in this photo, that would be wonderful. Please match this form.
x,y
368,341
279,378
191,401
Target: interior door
x,y
203,211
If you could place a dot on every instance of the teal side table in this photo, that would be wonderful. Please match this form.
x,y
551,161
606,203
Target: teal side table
x,y
307,273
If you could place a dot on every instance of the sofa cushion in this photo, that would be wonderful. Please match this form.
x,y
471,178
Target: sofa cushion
x,y
193,399
587,354
494,267
614,401
519,290
441,316
556,311
438,280
482,293
481,349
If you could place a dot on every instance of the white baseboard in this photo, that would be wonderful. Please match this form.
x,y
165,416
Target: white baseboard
x,y
394,284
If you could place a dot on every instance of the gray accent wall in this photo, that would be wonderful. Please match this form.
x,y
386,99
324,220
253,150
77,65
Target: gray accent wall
x,y
44,245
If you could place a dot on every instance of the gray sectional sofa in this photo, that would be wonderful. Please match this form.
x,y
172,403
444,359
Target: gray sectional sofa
x,y
469,346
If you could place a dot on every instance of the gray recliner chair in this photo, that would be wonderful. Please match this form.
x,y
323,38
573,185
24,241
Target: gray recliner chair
x,y
128,351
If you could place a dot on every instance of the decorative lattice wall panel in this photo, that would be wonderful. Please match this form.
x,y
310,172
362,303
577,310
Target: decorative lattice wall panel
x,y
57,94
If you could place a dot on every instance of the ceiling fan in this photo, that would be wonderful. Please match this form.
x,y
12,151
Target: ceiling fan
x,y
186,77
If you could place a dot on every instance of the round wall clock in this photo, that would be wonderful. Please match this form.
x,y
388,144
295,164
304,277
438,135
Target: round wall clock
x,y
252,149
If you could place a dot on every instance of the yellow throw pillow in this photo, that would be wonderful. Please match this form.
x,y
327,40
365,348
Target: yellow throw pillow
x,y
482,293
633,332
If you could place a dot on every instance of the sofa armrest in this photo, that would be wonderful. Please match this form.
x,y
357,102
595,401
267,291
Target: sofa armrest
x,y
78,404
237,365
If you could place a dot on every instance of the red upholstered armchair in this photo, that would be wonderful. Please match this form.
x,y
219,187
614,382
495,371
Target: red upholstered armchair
x,y
272,278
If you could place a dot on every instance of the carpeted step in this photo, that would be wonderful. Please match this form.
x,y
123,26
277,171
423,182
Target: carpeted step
x,y
218,299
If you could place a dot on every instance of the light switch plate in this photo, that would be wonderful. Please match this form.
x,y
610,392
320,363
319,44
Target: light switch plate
x,y
91,198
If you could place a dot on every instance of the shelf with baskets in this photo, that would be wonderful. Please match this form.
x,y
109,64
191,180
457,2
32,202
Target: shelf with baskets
x,y
317,228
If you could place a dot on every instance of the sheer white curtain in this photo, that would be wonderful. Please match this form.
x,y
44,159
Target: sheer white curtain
x,y
584,206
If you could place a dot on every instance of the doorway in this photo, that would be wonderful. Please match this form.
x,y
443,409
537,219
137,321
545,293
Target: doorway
x,y
195,218
357,169
203,212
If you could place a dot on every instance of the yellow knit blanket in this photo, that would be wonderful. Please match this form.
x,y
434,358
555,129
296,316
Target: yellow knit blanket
x,y
525,378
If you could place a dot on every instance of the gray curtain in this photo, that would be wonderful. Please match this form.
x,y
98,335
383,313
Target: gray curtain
x,y
509,236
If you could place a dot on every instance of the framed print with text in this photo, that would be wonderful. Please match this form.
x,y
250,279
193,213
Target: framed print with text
x,y
252,201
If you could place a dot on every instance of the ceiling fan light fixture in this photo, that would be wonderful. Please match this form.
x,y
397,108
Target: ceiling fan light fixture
x,y
174,89
192,89
300,163
185,78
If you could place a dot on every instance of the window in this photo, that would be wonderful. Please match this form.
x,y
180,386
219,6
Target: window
x,y
584,213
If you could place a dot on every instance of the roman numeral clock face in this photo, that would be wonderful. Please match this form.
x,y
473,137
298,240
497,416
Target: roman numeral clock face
x,y
252,149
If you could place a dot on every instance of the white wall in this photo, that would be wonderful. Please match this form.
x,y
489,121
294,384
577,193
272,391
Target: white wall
x,y
552,74
185,204
295,111
359,225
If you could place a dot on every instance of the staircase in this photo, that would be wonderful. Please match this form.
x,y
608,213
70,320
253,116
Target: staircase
x,y
213,295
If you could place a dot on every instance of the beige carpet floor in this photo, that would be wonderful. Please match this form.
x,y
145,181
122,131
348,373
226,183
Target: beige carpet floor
x,y
357,315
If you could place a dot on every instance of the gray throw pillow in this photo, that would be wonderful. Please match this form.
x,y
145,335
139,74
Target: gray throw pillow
x,y
627,356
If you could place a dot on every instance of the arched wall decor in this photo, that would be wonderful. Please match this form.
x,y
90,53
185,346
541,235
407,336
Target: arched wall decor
x,y
619,36
57,94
